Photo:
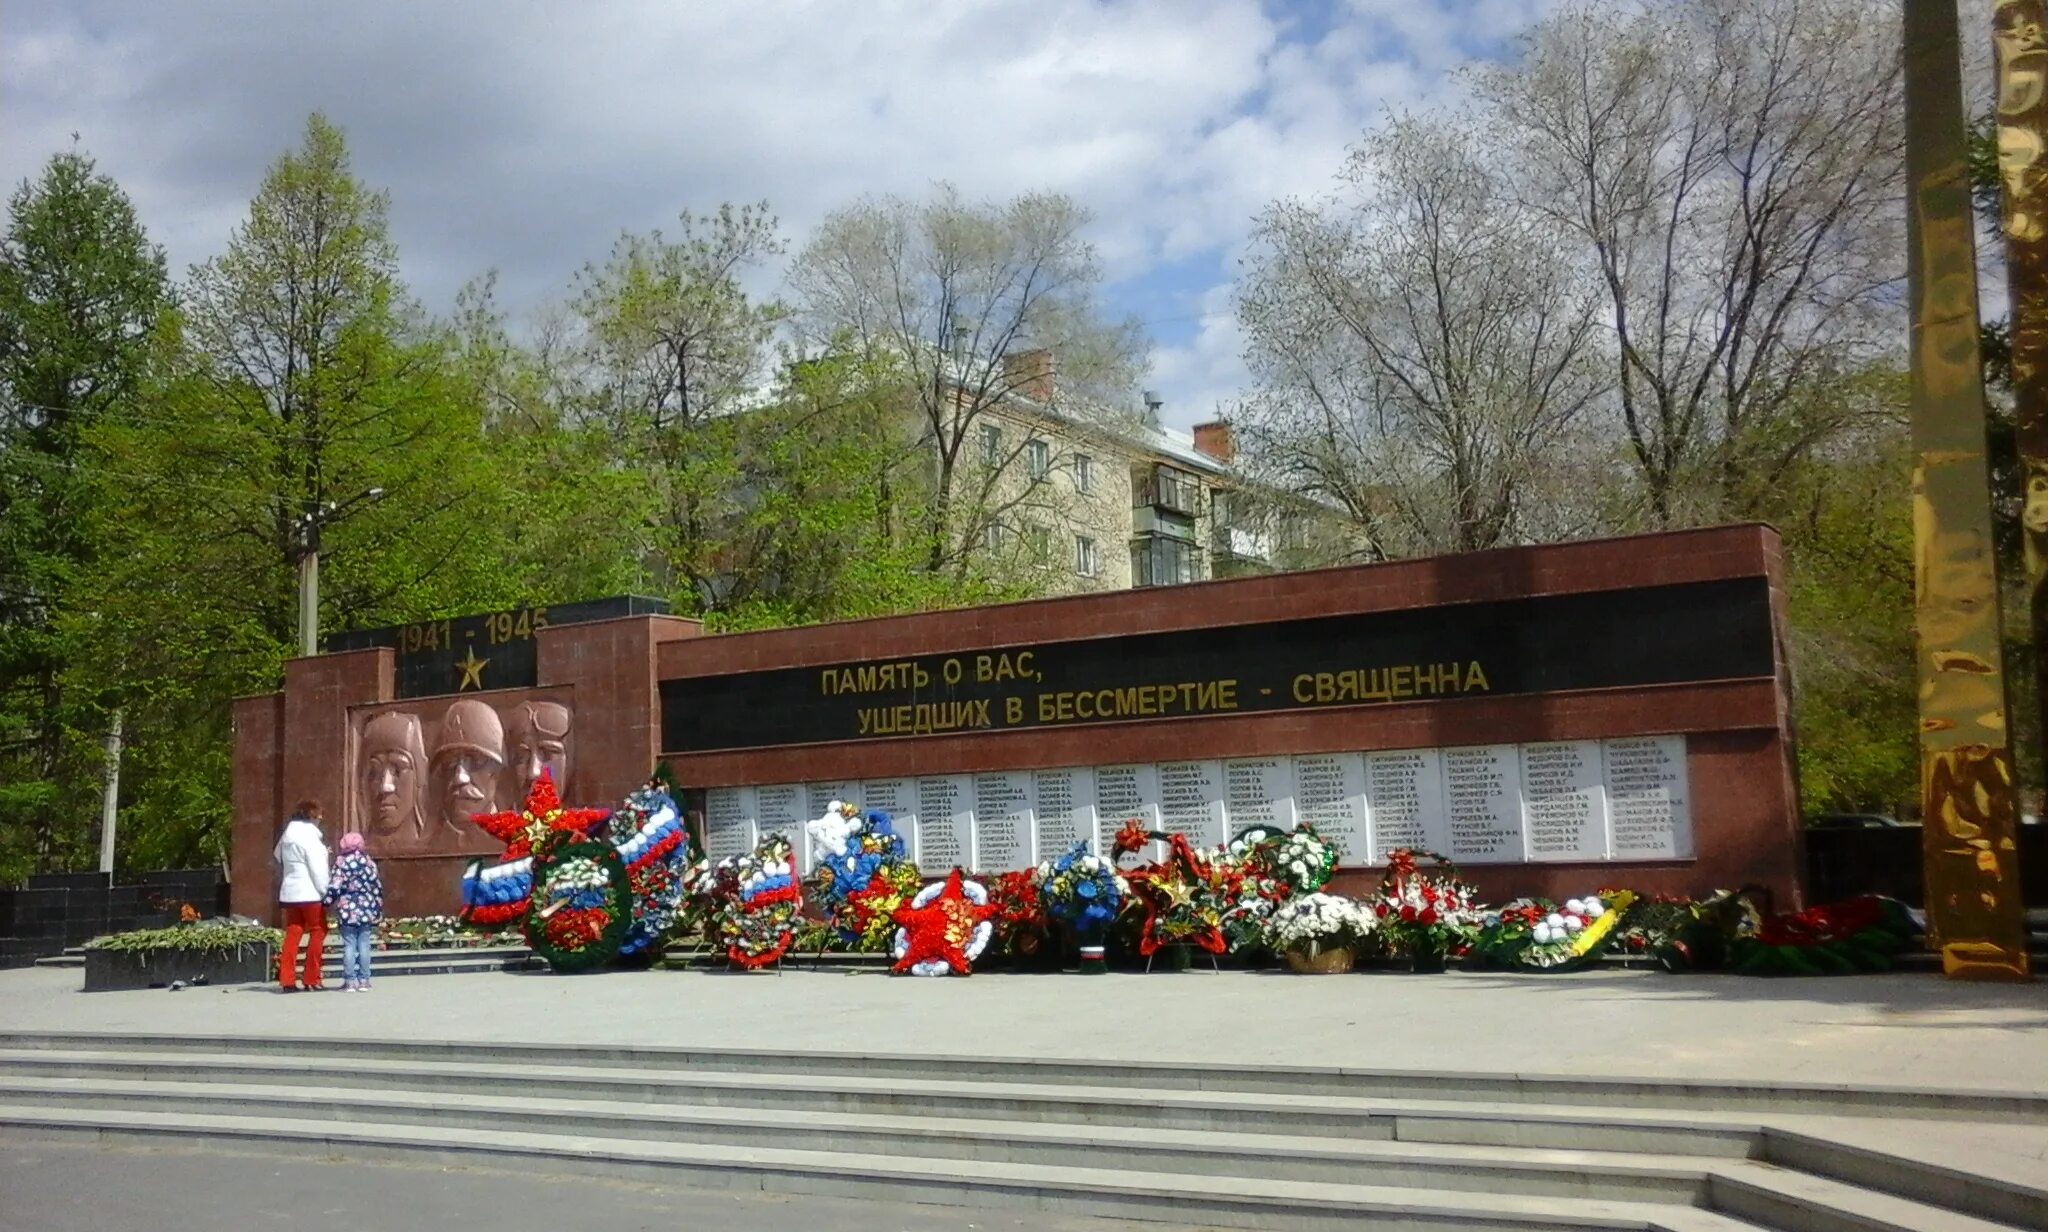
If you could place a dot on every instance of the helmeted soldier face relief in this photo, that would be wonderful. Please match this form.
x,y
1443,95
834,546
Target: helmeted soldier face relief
x,y
394,761
538,740
469,758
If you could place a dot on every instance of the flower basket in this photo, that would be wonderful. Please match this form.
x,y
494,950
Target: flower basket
x,y
1325,962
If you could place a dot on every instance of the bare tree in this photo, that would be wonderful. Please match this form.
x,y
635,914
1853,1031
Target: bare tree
x,y
662,348
1418,350
986,309
1731,170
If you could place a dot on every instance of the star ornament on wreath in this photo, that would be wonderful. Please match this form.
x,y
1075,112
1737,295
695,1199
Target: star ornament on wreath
x,y
944,929
543,815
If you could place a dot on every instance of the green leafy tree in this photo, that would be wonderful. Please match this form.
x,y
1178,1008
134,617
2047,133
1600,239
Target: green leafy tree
x,y
300,376
81,289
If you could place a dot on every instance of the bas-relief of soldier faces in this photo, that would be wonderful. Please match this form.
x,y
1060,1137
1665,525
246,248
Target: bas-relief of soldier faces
x,y
483,760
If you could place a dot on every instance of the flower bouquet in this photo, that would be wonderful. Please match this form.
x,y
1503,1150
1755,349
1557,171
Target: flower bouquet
x,y
1298,862
863,873
1425,915
1535,934
1085,892
1022,925
1318,932
1659,928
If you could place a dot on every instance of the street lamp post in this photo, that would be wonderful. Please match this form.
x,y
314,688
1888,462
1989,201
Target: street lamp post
x,y
316,516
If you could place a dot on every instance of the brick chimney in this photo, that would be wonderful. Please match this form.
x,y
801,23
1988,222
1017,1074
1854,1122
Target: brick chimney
x,y
1216,440
1030,373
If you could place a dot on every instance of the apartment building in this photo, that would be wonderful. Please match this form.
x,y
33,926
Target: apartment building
x,y
1112,501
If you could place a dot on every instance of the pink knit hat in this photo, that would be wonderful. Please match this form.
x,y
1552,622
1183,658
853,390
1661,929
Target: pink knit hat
x,y
352,841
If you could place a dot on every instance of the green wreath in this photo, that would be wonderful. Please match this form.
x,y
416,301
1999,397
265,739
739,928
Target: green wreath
x,y
580,909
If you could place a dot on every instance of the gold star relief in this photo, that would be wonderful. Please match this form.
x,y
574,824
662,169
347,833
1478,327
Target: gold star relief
x,y
472,671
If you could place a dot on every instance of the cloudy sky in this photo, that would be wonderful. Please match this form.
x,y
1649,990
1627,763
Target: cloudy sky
x,y
524,136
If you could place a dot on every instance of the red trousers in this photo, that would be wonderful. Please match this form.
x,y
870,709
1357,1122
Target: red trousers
x,y
309,920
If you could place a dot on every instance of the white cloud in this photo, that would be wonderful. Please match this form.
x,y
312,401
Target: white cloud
x,y
525,135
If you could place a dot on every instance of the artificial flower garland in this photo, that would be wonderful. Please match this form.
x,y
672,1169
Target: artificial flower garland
x,y
1186,898
1086,893
862,874
944,928
1535,934
579,911
498,894
758,922
654,845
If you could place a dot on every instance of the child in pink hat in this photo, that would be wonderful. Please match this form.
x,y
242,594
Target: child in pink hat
x,y
357,894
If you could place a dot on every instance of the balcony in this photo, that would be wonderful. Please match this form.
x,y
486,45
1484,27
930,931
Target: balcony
x,y
1168,489
1165,560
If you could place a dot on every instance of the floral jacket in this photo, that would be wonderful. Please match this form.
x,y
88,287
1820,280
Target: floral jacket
x,y
357,892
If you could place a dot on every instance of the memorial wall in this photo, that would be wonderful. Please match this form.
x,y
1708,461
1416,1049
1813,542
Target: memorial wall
x,y
1555,718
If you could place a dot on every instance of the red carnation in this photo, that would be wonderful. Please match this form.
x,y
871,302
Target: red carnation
x,y
1429,915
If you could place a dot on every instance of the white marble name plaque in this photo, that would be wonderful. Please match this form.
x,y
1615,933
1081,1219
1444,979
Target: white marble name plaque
x,y
1329,794
1404,791
779,809
1483,802
1063,804
945,823
896,797
1648,798
1002,821
1124,794
1564,808
1191,800
728,822
1258,791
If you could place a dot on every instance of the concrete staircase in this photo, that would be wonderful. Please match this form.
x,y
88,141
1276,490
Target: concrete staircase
x,y
1219,1146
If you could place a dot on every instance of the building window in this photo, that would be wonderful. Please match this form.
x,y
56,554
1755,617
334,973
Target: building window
x,y
1162,560
992,536
1084,473
992,444
1176,489
1040,456
1085,562
1040,538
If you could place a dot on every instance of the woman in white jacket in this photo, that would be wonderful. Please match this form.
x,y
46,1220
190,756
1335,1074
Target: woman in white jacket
x,y
302,891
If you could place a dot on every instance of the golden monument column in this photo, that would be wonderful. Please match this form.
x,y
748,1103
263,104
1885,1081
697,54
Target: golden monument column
x,y
1967,794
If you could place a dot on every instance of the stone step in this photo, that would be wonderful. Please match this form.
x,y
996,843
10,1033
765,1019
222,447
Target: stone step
x,y
1446,1122
1635,1094
1379,1161
1586,1153
1218,1201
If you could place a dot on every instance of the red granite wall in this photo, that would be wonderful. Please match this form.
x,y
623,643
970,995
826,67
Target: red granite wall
x,y
337,715
1744,809
312,738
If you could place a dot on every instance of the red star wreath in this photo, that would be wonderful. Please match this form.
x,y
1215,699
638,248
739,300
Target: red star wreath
x,y
543,815
944,929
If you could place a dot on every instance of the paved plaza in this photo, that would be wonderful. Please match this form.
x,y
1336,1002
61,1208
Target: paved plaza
x,y
1898,1030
